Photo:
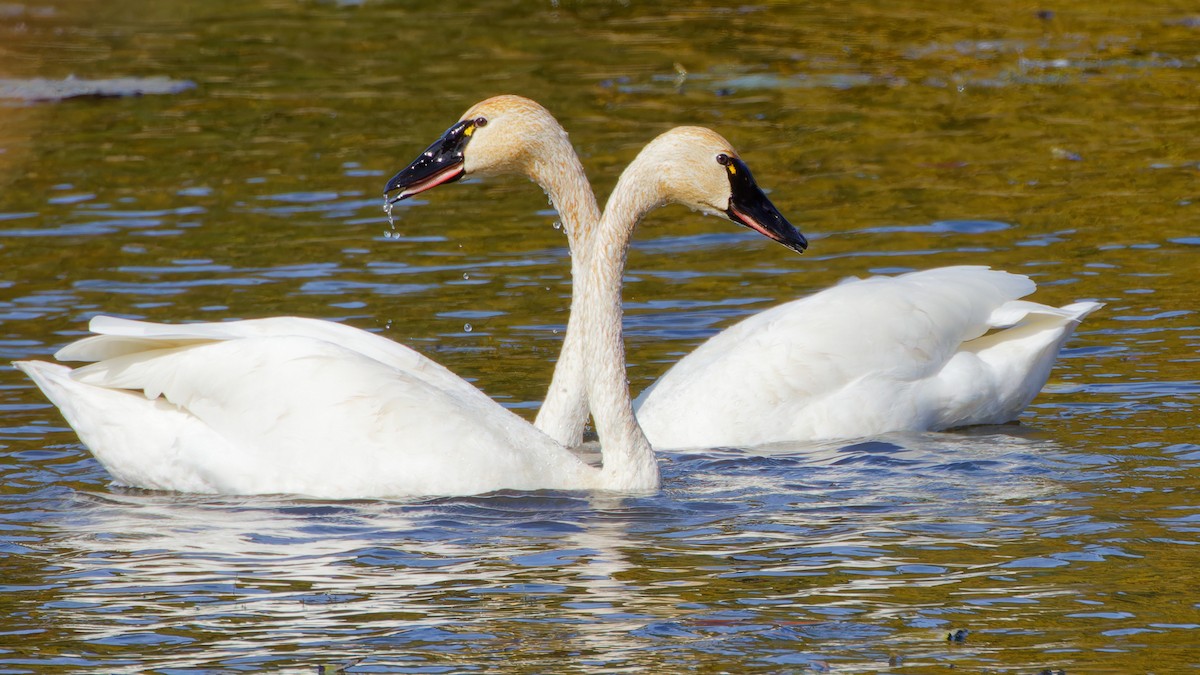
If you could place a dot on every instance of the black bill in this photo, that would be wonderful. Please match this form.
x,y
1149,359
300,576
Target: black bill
x,y
441,163
750,207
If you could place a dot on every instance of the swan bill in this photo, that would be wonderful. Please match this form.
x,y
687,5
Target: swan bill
x,y
440,163
750,207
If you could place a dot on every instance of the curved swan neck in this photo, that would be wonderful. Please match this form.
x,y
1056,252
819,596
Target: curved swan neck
x,y
557,169
629,462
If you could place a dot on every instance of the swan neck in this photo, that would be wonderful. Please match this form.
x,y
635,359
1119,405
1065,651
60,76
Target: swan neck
x,y
557,170
629,462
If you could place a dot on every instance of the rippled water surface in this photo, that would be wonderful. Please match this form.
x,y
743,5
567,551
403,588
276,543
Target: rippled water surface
x,y
243,181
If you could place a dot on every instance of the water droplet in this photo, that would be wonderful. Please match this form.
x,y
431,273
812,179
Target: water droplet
x,y
467,328
387,208
466,276
557,225
555,331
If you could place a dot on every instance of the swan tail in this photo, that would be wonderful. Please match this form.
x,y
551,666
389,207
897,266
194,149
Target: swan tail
x,y
1012,363
139,441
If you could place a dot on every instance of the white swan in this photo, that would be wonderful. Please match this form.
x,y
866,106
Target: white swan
x,y
295,406
863,358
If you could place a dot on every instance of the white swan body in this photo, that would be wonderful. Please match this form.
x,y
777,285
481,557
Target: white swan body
x,y
299,406
287,413
911,352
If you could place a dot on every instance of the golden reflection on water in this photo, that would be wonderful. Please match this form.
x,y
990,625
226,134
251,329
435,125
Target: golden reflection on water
x,y
1070,133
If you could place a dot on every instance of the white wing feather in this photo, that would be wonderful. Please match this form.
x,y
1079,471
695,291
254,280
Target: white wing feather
x,y
116,337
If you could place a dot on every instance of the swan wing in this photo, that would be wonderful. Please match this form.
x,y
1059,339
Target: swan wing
x,y
118,337
863,357
296,414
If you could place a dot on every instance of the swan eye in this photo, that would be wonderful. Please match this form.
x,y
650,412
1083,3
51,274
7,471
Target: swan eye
x,y
723,159
480,121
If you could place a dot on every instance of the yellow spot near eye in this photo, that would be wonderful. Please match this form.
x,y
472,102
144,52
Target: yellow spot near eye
x,y
732,169
469,130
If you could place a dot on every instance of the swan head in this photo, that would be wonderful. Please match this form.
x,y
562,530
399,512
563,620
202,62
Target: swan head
x,y
698,168
502,134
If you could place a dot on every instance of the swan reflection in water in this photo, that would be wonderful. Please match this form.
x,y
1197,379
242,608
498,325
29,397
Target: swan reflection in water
x,y
317,571
591,574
